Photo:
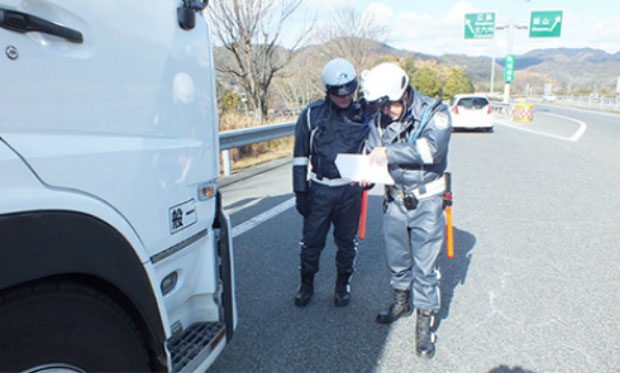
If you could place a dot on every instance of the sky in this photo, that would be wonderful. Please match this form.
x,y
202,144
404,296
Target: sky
x,y
437,27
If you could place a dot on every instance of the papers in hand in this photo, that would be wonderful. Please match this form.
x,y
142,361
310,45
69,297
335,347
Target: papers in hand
x,y
357,167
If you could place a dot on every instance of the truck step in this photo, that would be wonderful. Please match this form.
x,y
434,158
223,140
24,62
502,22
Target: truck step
x,y
197,340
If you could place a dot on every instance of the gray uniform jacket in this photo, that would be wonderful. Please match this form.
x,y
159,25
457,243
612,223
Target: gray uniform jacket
x,y
423,160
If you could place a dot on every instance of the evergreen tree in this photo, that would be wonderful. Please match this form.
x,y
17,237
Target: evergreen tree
x,y
457,82
408,65
426,82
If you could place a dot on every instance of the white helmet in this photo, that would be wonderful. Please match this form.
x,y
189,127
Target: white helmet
x,y
339,77
385,81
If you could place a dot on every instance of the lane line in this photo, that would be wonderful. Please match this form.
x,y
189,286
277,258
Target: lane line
x,y
574,138
580,131
229,211
263,217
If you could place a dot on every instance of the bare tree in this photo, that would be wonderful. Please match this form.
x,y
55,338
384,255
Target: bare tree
x,y
302,82
251,32
352,34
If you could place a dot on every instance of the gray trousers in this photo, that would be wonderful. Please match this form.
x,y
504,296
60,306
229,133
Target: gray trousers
x,y
413,241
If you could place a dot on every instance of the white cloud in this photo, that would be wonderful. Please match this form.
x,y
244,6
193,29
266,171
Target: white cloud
x,y
380,12
426,33
604,34
327,5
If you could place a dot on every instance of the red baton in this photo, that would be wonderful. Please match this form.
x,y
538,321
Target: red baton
x,y
447,198
363,215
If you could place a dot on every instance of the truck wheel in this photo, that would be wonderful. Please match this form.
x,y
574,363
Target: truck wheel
x,y
68,326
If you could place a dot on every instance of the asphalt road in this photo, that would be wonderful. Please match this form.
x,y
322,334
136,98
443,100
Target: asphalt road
x,y
534,285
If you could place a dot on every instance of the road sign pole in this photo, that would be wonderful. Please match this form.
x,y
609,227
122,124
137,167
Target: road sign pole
x,y
509,40
492,75
510,35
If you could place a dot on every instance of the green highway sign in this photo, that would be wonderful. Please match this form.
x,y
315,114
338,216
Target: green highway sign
x,y
479,25
546,23
509,69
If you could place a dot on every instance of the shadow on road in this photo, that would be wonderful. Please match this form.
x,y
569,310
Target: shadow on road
x,y
454,270
507,369
273,335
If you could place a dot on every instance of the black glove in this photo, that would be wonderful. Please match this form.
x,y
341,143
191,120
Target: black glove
x,y
301,202
368,187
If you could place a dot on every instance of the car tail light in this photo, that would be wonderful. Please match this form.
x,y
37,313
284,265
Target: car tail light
x,y
489,110
456,110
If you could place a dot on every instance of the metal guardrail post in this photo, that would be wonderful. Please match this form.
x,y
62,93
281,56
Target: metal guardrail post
x,y
226,162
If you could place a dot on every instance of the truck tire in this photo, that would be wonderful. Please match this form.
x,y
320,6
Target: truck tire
x,y
68,325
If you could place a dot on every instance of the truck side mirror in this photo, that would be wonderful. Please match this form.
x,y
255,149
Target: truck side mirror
x,y
187,17
186,12
199,4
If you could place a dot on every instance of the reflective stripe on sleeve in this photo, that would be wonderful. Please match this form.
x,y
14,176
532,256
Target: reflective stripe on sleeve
x,y
300,161
424,150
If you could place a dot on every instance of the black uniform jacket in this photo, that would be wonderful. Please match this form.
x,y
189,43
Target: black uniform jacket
x,y
323,130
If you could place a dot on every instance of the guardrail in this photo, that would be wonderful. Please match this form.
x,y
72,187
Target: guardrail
x,y
598,103
249,136
502,109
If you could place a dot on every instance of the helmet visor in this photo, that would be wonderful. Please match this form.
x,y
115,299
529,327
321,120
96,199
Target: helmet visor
x,y
342,90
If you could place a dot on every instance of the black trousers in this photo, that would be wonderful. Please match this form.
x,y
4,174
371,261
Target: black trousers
x,y
337,205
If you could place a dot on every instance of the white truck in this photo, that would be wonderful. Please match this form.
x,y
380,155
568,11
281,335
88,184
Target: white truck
x,y
115,254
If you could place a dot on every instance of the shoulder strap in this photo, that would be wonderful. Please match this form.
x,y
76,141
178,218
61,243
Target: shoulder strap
x,y
311,130
426,116
308,119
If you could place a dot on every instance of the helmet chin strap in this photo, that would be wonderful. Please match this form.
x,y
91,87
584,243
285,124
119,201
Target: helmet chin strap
x,y
406,100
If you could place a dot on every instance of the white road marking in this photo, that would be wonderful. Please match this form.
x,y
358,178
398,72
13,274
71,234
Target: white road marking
x,y
580,131
261,218
574,138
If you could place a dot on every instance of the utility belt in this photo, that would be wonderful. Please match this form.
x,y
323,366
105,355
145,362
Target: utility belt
x,y
410,198
327,181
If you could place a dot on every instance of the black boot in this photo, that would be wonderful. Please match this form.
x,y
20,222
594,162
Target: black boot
x,y
342,294
424,337
401,307
305,290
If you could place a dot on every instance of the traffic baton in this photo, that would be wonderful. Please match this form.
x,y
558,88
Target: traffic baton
x,y
447,197
363,215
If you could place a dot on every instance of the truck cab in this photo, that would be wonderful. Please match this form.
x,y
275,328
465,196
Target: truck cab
x,y
115,254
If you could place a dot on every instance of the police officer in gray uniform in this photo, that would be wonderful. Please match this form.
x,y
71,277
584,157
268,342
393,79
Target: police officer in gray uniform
x,y
410,132
324,129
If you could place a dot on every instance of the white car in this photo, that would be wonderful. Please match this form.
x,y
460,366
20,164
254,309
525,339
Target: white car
x,y
471,111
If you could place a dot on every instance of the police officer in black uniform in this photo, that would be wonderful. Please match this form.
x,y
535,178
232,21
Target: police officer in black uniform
x,y
324,129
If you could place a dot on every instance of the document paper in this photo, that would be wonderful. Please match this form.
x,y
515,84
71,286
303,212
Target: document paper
x,y
357,167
